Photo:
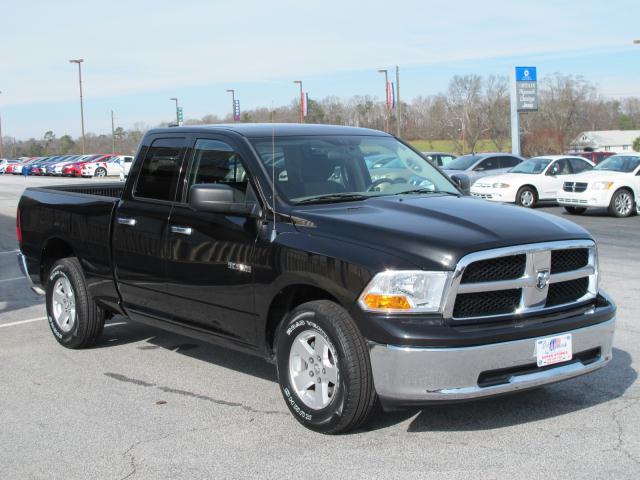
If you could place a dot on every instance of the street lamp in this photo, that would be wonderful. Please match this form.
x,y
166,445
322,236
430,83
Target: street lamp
x,y
636,42
177,116
1,145
233,103
79,62
301,100
386,102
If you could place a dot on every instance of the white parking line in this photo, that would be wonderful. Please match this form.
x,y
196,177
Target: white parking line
x,y
31,320
10,251
12,279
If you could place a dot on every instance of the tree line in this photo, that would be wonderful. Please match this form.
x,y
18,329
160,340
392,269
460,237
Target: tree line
x,y
473,108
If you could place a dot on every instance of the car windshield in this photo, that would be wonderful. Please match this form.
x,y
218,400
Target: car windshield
x,y
533,165
619,163
323,169
463,162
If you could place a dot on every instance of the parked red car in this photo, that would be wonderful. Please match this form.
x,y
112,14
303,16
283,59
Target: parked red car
x,y
595,157
75,169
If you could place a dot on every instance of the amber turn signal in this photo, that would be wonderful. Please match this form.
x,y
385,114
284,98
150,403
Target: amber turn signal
x,y
383,302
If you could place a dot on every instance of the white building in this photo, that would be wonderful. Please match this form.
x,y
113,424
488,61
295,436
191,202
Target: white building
x,y
617,141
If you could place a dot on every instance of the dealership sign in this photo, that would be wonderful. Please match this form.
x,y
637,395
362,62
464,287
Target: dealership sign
x,y
527,89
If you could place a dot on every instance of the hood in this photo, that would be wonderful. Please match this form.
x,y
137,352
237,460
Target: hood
x,y
598,176
433,232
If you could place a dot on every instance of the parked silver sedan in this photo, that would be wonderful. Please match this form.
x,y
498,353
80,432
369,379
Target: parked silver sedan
x,y
478,165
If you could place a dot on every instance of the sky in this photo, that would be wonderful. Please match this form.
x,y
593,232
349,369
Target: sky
x,y
138,53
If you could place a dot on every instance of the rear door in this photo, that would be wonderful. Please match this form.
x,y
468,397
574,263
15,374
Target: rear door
x,y
209,270
140,227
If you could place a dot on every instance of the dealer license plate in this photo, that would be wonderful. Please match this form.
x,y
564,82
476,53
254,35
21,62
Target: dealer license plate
x,y
553,350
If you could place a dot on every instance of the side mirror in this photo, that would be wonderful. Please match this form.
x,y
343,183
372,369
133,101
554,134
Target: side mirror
x,y
463,183
219,198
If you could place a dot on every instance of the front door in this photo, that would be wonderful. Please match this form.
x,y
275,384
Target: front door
x,y
553,178
140,229
210,255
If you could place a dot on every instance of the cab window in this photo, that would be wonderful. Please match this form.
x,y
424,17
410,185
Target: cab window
x,y
159,172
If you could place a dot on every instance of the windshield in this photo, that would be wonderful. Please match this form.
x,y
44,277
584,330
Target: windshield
x,y
342,168
619,163
533,165
463,162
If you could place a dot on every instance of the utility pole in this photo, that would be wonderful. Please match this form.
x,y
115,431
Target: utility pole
x,y
386,99
177,115
233,103
79,62
113,135
301,100
398,110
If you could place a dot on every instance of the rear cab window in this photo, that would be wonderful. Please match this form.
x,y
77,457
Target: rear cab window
x,y
158,176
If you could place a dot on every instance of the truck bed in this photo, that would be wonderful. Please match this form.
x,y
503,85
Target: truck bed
x,y
106,189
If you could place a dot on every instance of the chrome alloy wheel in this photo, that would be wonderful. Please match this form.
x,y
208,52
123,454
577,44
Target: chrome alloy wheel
x,y
64,304
313,369
526,198
623,203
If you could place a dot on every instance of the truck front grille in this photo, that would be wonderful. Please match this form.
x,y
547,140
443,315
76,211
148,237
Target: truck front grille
x,y
522,279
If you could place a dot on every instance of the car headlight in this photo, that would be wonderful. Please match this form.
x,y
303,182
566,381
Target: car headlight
x,y
602,185
500,185
405,291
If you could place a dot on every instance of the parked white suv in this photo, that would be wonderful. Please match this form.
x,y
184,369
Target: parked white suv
x,y
612,184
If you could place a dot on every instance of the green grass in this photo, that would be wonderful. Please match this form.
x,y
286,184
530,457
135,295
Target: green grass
x,y
448,146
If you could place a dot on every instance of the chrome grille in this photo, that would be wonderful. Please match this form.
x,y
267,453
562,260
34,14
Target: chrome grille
x,y
522,279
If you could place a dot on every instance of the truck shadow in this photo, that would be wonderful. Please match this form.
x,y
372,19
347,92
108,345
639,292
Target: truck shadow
x,y
514,409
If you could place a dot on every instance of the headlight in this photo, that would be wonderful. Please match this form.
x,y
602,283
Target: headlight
x,y
602,185
500,185
405,291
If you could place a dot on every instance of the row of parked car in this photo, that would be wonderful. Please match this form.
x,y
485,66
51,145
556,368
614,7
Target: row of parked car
x,y
574,181
92,165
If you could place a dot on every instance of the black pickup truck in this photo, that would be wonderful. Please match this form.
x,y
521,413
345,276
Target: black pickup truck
x,y
364,284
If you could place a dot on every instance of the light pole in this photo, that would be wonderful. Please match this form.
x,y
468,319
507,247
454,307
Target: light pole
x,y
79,62
301,100
386,99
1,145
177,116
113,135
233,103
636,42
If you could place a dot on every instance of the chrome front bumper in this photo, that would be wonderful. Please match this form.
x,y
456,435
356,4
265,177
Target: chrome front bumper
x,y
426,375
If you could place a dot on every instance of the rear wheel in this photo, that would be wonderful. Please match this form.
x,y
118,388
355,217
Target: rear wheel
x,y
323,368
74,318
622,204
575,210
527,197
100,172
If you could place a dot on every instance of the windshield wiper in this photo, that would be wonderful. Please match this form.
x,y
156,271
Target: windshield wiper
x,y
428,190
334,198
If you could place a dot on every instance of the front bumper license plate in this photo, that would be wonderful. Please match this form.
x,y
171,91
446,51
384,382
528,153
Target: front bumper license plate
x,y
552,350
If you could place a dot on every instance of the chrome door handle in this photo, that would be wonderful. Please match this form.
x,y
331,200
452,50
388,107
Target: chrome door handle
x,y
130,222
181,230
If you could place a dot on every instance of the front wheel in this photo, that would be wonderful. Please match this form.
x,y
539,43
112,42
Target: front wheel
x,y
526,197
100,172
575,210
323,368
74,318
622,204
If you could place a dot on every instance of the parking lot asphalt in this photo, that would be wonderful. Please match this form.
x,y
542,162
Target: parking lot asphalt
x,y
144,403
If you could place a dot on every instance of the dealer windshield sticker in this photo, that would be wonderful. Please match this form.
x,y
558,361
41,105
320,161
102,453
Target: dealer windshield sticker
x,y
553,350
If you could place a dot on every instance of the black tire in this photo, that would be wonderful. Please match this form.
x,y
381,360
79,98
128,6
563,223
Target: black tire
x,y
354,396
575,210
100,172
622,204
88,320
527,197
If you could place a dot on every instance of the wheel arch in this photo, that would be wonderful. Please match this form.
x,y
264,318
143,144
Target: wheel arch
x,y
54,249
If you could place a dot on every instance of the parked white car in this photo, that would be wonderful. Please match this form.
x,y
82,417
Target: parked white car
x,y
107,167
127,161
534,180
612,184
